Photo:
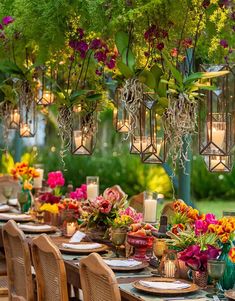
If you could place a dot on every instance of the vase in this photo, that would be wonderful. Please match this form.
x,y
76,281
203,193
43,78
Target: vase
x,y
140,244
25,200
200,278
228,279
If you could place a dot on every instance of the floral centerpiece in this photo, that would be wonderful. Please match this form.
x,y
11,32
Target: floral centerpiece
x,y
25,174
79,193
100,213
202,237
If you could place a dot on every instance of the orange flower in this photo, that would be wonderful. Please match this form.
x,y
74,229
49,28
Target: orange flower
x,y
180,206
231,254
27,185
32,172
175,229
193,213
224,238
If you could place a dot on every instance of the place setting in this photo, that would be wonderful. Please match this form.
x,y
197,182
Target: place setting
x,y
37,228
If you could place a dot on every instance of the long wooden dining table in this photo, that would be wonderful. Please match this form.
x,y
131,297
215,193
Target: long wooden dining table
x,y
127,292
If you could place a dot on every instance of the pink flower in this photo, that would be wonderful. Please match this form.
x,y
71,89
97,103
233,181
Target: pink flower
x,y
7,20
210,218
137,217
201,226
104,205
79,193
55,178
111,194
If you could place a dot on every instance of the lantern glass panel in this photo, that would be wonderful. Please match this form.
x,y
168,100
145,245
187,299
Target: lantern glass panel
x,y
218,163
14,119
120,116
216,114
83,131
153,140
45,95
28,119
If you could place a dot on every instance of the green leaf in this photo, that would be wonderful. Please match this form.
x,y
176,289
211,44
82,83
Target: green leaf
x,y
93,97
204,87
121,40
147,78
157,73
124,69
128,58
11,68
162,89
74,95
175,72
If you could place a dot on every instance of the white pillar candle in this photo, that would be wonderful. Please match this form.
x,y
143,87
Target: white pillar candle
x,y
169,269
15,118
217,133
92,191
70,229
37,182
150,210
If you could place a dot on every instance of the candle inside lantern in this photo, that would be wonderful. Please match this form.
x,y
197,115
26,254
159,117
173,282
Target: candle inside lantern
x,y
92,188
24,130
217,163
218,133
123,125
169,269
47,98
14,119
150,208
37,182
70,228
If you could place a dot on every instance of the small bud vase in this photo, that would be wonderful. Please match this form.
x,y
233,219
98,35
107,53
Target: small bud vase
x,y
200,278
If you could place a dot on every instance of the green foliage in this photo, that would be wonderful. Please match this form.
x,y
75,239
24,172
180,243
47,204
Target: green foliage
x,y
6,163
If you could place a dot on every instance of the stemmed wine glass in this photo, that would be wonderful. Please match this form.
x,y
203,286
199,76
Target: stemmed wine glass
x,y
7,192
118,238
22,199
215,269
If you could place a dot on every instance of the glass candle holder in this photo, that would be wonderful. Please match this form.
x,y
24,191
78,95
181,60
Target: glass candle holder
x,y
150,207
92,188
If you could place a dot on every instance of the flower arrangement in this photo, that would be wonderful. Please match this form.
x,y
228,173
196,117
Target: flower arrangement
x,y
80,193
104,209
25,174
224,228
70,204
55,181
133,214
196,258
123,221
49,198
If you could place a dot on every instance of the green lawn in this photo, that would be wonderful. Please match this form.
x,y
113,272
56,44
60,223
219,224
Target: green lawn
x,y
210,206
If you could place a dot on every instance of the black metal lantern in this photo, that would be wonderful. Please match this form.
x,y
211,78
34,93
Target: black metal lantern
x,y
148,139
121,118
216,114
14,119
84,129
219,163
44,87
27,107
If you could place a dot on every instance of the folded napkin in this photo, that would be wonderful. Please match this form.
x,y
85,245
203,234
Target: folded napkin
x,y
122,263
77,237
13,202
165,285
35,227
4,207
82,246
14,216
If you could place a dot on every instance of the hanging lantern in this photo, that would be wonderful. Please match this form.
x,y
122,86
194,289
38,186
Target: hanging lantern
x,y
153,145
219,163
45,95
27,107
84,128
121,118
14,119
148,137
216,114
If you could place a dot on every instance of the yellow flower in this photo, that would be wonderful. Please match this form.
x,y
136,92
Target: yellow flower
x,y
50,208
231,254
27,185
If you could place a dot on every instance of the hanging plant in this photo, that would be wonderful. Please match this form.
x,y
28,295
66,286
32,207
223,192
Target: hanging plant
x,y
180,117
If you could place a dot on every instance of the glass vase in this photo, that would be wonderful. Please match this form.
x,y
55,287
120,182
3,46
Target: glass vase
x,y
228,279
25,200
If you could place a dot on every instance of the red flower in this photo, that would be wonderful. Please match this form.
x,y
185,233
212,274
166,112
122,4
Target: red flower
x,y
174,52
160,46
187,43
105,206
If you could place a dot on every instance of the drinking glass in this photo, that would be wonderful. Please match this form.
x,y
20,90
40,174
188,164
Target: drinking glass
x,y
118,238
22,199
7,192
215,269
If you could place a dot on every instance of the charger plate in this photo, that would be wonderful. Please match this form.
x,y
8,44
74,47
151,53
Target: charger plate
x,y
193,287
140,266
102,248
26,228
4,208
230,294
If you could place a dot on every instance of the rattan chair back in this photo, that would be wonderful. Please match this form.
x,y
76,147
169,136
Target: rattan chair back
x,y
50,270
20,282
98,280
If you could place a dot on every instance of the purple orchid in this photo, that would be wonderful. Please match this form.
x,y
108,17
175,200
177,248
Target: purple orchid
x,y
95,44
206,3
160,46
7,20
224,43
98,72
1,27
100,56
80,31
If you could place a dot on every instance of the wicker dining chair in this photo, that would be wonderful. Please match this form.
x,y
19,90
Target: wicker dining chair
x,y
98,280
17,252
50,270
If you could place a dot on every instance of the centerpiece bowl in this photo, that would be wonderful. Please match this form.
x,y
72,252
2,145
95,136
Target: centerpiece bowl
x,y
140,244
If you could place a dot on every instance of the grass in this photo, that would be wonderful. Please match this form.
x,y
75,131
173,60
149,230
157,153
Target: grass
x,y
209,206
